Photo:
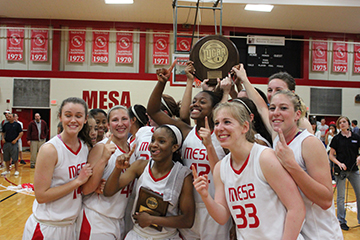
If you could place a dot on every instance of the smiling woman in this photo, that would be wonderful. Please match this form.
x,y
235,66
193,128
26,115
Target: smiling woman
x,y
160,175
193,150
304,157
98,208
100,117
256,171
344,152
93,129
60,171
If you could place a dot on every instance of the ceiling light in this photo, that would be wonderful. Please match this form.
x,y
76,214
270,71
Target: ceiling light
x,y
119,1
259,7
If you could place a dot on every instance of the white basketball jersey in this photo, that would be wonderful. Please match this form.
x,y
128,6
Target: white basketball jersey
x,y
319,224
68,166
142,140
114,206
147,180
261,138
194,153
256,209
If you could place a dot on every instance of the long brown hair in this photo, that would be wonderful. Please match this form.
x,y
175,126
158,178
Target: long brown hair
x,y
84,132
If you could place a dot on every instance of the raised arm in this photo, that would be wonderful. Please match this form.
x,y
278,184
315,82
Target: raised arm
x,y
119,178
205,134
186,99
226,85
327,138
45,165
287,191
316,182
255,97
153,107
98,159
238,82
217,208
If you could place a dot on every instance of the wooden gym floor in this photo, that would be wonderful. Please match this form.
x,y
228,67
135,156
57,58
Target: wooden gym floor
x,y
16,207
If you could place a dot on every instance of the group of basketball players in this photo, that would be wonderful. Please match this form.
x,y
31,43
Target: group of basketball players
x,y
239,188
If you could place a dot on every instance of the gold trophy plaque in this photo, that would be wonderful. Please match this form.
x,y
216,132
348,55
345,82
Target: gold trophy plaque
x,y
152,203
213,58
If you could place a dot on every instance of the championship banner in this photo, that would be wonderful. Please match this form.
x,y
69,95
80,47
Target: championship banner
x,y
100,47
39,45
319,56
15,44
340,57
76,51
356,58
161,53
183,44
124,47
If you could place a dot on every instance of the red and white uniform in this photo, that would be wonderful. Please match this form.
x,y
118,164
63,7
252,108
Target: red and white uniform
x,y
142,140
55,220
319,224
255,207
147,180
194,152
104,215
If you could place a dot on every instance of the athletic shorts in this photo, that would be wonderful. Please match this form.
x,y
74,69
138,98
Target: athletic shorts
x,y
98,226
40,231
11,151
135,235
205,227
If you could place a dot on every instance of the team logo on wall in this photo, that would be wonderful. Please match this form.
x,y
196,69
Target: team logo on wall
x,y
184,45
320,51
124,42
357,53
340,52
15,39
161,44
100,41
77,41
39,40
